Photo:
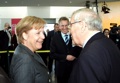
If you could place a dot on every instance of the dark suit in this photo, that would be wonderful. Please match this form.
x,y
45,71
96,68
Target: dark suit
x,y
27,67
59,51
48,40
44,55
14,42
49,37
4,40
3,77
118,40
99,62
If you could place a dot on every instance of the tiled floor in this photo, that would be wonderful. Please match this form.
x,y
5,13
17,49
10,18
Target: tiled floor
x,y
53,78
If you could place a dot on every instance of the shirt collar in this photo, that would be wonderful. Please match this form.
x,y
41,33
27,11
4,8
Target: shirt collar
x,y
89,38
64,34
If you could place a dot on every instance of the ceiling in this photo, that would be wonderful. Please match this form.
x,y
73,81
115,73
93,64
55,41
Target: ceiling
x,y
48,2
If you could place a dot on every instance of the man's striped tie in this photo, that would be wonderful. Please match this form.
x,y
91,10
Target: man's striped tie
x,y
66,39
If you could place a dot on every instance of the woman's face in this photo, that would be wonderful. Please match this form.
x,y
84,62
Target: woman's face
x,y
33,39
106,32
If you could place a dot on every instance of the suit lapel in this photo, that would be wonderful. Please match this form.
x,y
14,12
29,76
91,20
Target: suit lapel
x,y
94,38
33,55
70,41
62,40
38,58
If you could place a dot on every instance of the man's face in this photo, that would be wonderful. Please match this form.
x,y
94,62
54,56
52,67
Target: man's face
x,y
63,26
6,26
56,27
75,31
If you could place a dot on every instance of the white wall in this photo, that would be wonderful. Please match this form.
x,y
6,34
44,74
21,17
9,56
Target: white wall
x,y
6,13
13,12
3,21
57,12
43,12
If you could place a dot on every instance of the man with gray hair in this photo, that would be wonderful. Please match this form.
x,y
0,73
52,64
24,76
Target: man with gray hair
x,y
99,60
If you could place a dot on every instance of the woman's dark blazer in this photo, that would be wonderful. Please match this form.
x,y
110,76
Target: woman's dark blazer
x,y
27,67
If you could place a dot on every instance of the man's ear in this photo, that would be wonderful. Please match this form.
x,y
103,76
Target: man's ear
x,y
25,36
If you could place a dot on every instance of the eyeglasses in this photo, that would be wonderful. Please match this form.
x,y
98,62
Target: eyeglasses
x,y
73,23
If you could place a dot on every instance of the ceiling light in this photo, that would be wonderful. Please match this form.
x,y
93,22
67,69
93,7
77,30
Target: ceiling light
x,y
70,1
6,2
105,9
38,5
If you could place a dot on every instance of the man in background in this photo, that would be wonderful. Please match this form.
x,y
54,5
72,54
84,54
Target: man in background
x,y
5,37
48,41
61,49
5,45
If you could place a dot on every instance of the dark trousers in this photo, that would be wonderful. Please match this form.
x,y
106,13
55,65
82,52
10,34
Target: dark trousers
x,y
5,59
50,63
4,62
63,71
44,57
4,77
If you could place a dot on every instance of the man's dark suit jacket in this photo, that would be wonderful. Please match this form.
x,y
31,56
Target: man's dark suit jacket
x,y
4,39
49,37
44,55
59,51
99,62
48,40
14,42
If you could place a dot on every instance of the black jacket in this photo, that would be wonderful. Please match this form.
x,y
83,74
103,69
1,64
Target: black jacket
x,y
99,62
4,77
59,51
4,39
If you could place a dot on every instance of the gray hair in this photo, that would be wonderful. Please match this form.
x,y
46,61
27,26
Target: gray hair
x,y
90,17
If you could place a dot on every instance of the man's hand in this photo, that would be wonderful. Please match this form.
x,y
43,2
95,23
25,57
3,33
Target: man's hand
x,y
70,57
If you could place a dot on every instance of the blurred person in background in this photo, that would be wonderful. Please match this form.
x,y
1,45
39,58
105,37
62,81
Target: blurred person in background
x,y
113,33
44,55
106,32
5,37
48,41
5,45
118,37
